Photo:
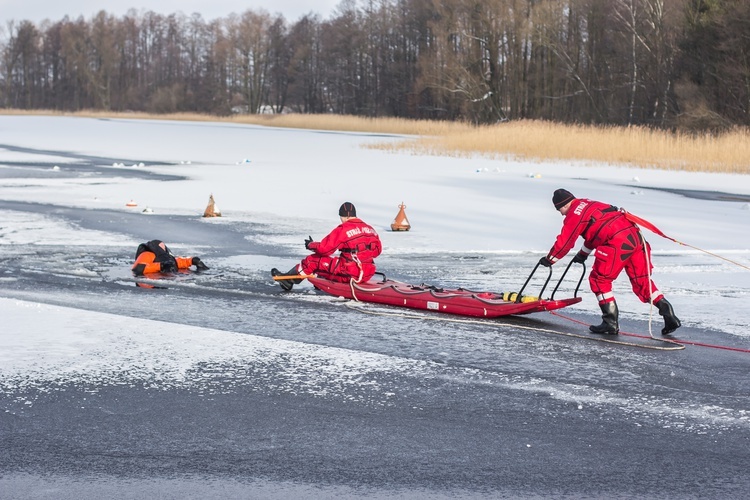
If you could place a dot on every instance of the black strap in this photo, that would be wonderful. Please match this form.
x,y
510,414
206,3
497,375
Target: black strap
x,y
141,248
354,250
592,220
160,254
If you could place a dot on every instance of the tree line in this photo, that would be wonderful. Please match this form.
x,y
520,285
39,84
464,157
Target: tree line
x,y
661,63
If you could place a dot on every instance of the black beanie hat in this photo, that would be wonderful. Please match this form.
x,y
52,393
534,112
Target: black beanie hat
x,y
561,198
347,210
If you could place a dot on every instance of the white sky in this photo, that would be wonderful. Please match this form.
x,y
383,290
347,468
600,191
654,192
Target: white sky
x,y
54,10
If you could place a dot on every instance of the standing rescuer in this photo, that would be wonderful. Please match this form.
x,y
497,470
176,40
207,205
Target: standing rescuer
x,y
357,243
617,244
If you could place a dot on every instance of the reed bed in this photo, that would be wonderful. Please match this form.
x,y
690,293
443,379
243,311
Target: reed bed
x,y
342,123
727,152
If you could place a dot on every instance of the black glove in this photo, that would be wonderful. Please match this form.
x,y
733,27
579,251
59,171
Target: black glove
x,y
545,262
199,265
168,267
580,257
307,242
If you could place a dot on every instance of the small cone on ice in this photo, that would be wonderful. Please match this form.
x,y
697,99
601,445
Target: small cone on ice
x,y
400,223
212,210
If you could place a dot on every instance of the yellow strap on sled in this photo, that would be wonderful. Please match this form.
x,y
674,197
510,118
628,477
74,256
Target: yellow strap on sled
x,y
512,296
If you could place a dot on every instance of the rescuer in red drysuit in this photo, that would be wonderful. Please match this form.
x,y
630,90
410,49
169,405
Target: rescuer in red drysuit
x,y
358,245
155,257
618,244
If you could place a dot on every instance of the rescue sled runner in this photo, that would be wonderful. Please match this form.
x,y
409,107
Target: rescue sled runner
x,y
458,301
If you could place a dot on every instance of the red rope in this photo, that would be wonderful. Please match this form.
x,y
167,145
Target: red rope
x,y
628,334
644,223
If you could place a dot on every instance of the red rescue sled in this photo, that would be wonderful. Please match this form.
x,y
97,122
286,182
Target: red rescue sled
x,y
459,301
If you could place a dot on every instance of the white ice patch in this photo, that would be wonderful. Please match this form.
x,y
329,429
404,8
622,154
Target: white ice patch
x,y
44,346
7,155
23,228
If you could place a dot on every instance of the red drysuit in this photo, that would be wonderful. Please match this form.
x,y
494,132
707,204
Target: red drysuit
x,y
618,245
358,244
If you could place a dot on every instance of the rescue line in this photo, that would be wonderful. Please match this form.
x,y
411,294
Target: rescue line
x,y
673,344
679,341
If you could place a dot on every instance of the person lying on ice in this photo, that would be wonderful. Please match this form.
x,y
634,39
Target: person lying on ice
x,y
618,244
358,245
155,257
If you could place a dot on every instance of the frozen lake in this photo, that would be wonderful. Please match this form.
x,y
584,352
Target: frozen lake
x,y
219,385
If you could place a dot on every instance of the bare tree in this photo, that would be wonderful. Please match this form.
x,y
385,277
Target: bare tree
x,y
599,61
21,65
251,58
304,70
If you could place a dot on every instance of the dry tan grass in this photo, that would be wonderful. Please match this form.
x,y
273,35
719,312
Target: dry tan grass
x,y
348,123
344,123
638,146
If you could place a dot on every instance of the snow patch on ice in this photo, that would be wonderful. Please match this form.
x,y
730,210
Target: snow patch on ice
x,y
130,351
22,228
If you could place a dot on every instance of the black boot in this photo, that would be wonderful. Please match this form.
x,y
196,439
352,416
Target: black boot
x,y
610,325
671,322
287,284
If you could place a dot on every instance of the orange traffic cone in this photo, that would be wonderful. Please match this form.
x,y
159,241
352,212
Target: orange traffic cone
x,y
400,223
212,210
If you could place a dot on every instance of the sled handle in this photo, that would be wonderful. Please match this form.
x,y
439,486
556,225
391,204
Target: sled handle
x,y
580,280
518,299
